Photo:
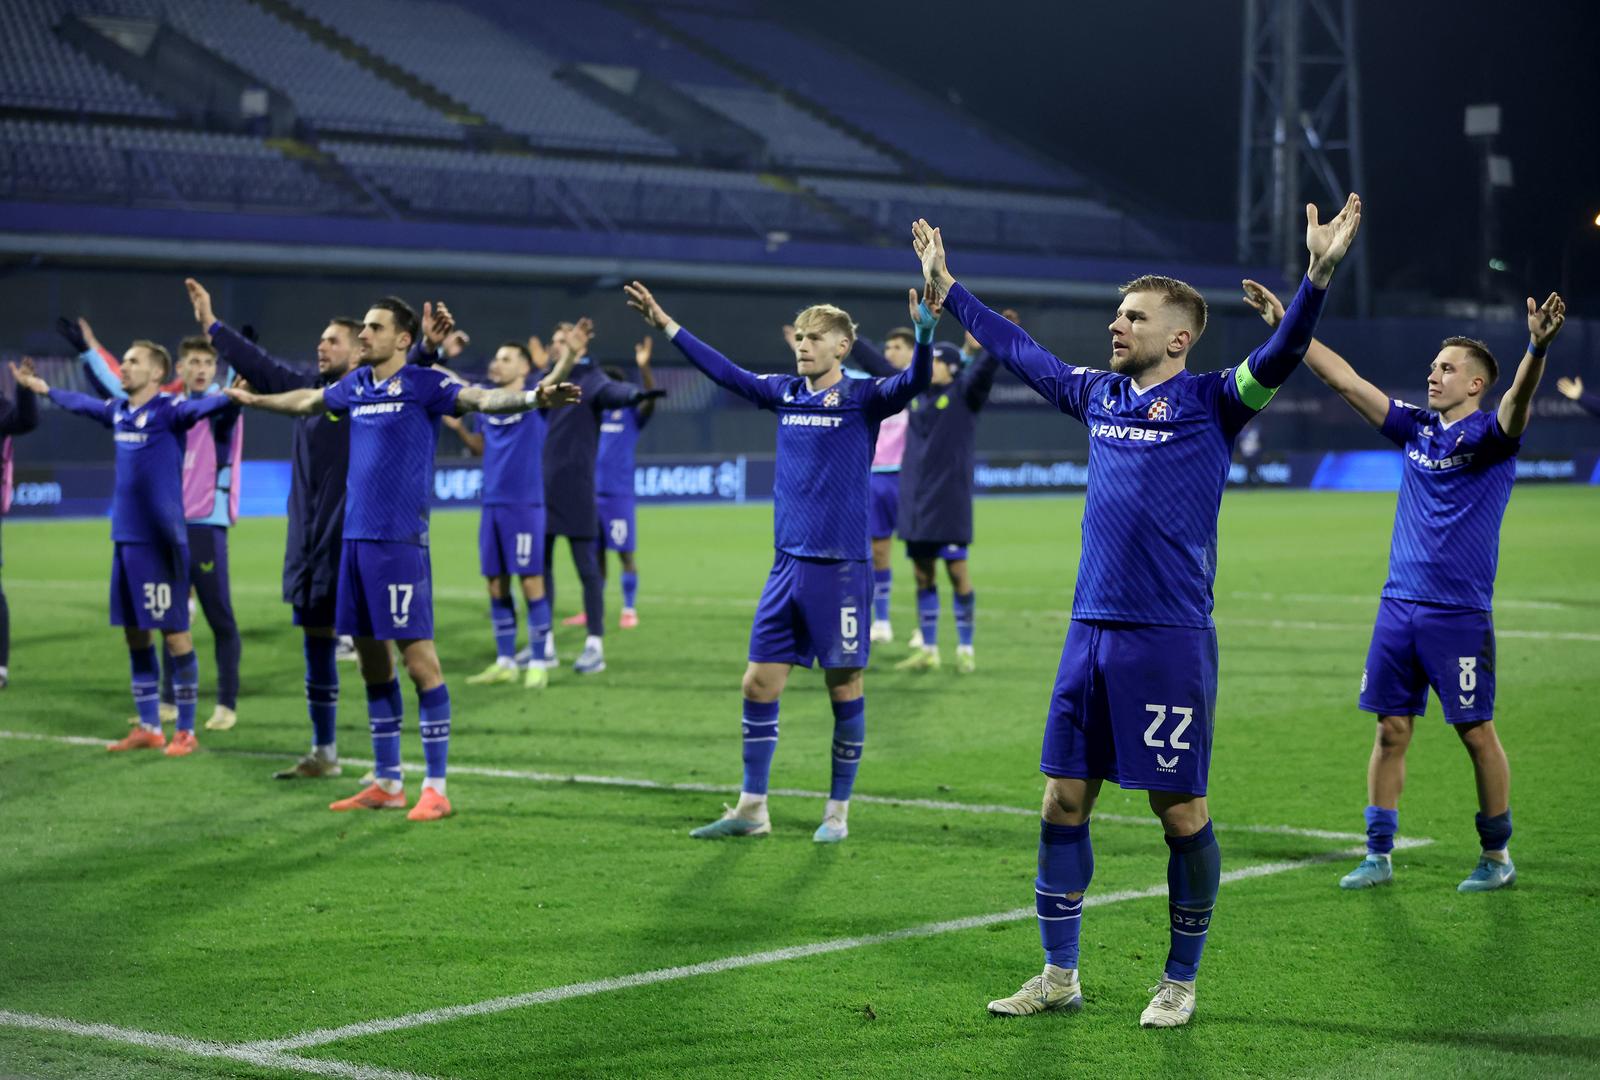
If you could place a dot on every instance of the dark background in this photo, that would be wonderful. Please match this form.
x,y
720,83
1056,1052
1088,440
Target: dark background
x,y
1146,98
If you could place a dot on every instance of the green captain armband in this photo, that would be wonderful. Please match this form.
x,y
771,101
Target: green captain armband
x,y
1251,392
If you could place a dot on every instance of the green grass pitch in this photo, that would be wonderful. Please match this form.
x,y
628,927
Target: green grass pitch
x,y
194,906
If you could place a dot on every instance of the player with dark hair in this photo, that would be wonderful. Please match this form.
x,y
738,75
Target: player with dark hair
x,y
1135,693
819,589
385,580
17,418
150,557
1435,624
936,496
511,526
319,459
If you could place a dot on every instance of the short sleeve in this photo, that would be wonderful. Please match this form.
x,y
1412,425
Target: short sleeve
x,y
1401,423
1494,445
436,392
336,398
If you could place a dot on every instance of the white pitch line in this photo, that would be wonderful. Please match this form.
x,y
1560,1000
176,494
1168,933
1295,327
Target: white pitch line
x,y
427,1017
250,1055
732,789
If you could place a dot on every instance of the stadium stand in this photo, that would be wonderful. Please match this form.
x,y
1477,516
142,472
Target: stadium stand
x,y
38,70
330,90
522,94
873,102
158,166
581,194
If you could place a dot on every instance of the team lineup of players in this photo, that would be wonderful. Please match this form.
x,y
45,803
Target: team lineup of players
x,y
1134,697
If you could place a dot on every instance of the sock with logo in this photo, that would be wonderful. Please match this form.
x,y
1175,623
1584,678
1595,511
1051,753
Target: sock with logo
x,y
1066,865
1194,873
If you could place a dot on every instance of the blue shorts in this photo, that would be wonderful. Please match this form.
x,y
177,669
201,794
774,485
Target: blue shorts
x,y
511,541
1133,704
885,505
1417,645
934,549
813,609
150,587
616,521
385,591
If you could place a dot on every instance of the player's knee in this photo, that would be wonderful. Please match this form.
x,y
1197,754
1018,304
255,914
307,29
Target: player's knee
x,y
1180,818
758,685
1478,738
1394,734
844,684
1065,804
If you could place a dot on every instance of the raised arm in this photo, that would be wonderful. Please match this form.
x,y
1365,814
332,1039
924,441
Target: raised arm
x,y
100,368
568,345
265,374
22,417
866,356
895,392
1572,389
307,401
437,322
1544,323
192,410
73,402
1365,398
978,380
647,379
503,400
718,368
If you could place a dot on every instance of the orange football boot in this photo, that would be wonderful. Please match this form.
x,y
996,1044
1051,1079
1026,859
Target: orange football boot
x,y
182,743
371,798
431,806
140,738
580,619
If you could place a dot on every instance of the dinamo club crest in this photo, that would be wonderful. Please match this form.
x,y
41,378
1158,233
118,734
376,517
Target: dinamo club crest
x,y
1160,409
830,399
394,389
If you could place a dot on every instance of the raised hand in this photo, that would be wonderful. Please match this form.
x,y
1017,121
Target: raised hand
x,y
242,394
789,335
928,243
640,300
203,313
577,338
536,350
26,378
1011,316
641,351
559,394
437,323
1264,300
1570,388
1545,321
924,313
1329,243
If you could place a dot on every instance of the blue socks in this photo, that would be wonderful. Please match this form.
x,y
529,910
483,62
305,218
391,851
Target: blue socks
x,y
1194,873
630,588
385,707
1066,864
146,679
503,617
322,688
1382,824
538,626
882,581
966,606
1493,832
849,736
928,616
433,712
760,743
186,687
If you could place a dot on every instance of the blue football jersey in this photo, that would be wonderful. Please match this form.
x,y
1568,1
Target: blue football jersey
x,y
513,458
1158,462
822,487
613,463
1453,494
147,506
394,430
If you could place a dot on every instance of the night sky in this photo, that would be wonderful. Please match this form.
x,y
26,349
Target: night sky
x,y
1145,97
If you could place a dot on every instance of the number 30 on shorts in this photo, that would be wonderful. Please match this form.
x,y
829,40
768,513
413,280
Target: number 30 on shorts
x,y
157,598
